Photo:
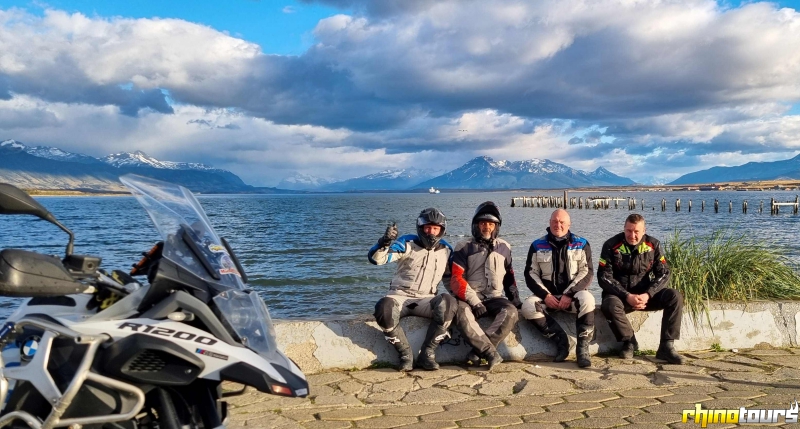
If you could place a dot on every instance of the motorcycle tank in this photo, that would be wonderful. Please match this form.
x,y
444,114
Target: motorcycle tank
x,y
30,274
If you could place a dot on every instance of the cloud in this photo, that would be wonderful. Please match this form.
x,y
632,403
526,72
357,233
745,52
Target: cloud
x,y
661,85
289,9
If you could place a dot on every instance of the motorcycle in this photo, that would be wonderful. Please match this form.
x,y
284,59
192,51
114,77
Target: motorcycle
x,y
94,349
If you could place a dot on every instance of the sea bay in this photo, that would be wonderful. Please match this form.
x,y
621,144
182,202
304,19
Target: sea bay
x,y
306,254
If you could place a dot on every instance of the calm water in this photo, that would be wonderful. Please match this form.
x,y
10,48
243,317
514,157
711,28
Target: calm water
x,y
306,254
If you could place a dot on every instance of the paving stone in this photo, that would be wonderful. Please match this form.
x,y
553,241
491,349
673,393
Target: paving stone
x,y
767,352
745,394
546,385
351,387
446,416
658,418
468,380
483,404
553,417
637,367
751,377
384,397
707,355
501,388
682,378
740,386
708,389
614,382
645,426
574,406
727,403
645,393
669,408
745,360
786,374
445,371
512,367
580,375
377,375
326,378
489,422
318,424
591,397
596,422
465,390
514,410
271,402
323,390
412,410
386,422
725,366
425,383
347,400
613,412
431,425
684,368
433,394
687,397
515,376
350,414
631,402
534,401
538,426
399,385
303,415
777,399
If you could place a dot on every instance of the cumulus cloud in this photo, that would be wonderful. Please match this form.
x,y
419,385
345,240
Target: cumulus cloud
x,y
656,84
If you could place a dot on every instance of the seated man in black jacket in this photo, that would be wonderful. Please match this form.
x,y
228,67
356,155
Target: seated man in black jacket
x,y
634,275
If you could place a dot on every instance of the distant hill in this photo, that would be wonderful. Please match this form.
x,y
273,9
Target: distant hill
x,y
776,170
42,167
388,180
485,173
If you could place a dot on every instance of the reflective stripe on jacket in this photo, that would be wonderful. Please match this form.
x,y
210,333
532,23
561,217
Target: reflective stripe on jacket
x,y
479,274
540,266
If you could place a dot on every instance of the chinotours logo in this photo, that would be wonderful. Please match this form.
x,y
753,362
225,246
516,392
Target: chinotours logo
x,y
740,416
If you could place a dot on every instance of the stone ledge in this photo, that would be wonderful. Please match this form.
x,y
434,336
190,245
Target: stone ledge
x,y
322,345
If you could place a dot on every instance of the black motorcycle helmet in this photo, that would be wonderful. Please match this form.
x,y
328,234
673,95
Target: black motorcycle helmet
x,y
430,216
486,211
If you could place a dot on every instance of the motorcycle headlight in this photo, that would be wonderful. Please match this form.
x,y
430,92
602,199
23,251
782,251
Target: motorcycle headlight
x,y
246,313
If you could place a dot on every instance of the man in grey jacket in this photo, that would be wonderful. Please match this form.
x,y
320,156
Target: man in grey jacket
x,y
422,262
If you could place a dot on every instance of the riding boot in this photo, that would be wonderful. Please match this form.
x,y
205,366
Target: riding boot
x,y
666,351
492,357
551,330
582,348
427,354
397,338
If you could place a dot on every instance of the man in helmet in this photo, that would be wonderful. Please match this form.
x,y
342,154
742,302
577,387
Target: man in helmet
x,y
558,271
421,264
481,274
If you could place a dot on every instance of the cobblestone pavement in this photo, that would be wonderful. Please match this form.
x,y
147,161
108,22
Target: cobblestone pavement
x,y
638,393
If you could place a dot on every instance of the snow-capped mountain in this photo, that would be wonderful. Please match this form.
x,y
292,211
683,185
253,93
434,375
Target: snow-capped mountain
x,y
485,173
43,167
141,159
775,170
392,179
304,182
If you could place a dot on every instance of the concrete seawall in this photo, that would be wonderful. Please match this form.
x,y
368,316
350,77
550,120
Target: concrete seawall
x,y
318,346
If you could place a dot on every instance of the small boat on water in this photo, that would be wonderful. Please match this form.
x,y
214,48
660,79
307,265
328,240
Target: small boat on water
x,y
433,190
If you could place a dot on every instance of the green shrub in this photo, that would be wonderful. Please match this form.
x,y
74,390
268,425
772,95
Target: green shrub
x,y
724,266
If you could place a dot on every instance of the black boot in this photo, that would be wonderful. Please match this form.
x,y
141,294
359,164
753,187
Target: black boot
x,y
627,350
582,348
492,358
473,358
398,339
666,351
551,330
427,354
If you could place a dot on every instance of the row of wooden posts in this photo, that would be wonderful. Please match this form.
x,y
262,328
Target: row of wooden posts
x,y
604,203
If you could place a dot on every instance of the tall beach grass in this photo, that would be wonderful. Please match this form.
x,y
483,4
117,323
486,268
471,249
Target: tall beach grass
x,y
728,266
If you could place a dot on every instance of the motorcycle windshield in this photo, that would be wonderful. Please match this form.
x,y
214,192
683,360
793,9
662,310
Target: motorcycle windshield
x,y
191,243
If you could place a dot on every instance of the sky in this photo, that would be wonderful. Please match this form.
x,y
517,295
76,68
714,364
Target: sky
x,y
649,89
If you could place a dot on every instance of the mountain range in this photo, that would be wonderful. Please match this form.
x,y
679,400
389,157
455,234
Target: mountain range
x,y
43,167
775,170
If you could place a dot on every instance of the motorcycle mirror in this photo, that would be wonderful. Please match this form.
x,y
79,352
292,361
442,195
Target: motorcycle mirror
x,y
15,201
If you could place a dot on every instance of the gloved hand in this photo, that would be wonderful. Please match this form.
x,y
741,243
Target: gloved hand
x,y
389,236
479,310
